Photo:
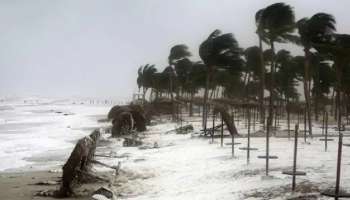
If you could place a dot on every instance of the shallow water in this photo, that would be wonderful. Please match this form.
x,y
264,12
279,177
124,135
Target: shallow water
x,y
40,133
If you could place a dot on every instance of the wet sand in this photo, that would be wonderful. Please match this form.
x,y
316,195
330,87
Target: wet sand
x,y
23,186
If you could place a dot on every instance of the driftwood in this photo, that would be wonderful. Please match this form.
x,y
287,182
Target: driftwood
x,y
182,130
79,163
226,118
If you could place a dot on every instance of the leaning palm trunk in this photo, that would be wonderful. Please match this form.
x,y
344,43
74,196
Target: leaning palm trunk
x,y
338,71
262,83
191,104
205,100
172,97
306,88
272,82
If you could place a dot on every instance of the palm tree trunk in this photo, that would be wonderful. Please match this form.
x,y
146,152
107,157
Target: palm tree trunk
x,y
288,116
172,97
271,107
338,71
191,104
205,100
144,95
262,83
272,83
306,88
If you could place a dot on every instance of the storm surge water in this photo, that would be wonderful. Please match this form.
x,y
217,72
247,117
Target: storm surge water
x,y
38,133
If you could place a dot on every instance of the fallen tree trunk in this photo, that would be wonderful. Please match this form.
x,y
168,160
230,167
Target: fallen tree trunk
x,y
78,164
226,118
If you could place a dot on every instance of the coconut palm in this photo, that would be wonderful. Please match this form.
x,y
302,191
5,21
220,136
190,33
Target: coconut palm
x,y
323,78
338,45
177,52
312,30
277,24
286,80
145,78
195,81
254,69
218,50
182,69
261,36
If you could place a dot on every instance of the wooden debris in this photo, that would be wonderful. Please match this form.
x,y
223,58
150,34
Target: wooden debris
x,y
78,164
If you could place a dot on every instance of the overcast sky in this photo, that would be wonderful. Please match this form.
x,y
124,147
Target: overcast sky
x,y
88,48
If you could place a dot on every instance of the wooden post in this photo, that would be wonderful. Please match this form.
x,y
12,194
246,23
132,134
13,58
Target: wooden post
x,y
295,155
305,125
326,133
340,145
222,131
254,119
213,130
323,122
233,136
248,146
288,122
269,124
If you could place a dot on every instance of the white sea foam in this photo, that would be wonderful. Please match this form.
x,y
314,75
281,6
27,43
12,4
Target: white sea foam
x,y
34,127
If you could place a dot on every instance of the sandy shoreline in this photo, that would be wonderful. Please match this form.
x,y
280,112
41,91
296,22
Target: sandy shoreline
x,y
23,185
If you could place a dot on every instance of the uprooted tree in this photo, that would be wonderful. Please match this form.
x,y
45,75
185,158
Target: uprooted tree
x,y
78,166
127,117
226,118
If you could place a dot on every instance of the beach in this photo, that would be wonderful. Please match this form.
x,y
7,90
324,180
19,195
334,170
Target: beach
x,y
173,166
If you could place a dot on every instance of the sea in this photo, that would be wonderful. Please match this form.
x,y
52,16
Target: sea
x,y
39,133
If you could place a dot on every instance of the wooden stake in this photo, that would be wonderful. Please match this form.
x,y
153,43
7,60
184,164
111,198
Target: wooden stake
x,y
340,145
222,131
248,150
295,155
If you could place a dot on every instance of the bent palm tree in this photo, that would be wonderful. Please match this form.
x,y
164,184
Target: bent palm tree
x,y
177,52
277,24
277,21
313,29
145,78
261,37
217,50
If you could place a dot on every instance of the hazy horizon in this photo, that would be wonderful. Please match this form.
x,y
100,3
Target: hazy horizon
x,y
94,48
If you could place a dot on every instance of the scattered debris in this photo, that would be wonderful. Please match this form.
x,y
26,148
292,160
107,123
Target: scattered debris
x,y
105,192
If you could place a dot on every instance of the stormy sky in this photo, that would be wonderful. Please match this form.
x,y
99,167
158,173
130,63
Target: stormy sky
x,y
65,48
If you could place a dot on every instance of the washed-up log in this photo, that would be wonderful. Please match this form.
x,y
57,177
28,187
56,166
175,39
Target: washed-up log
x,y
226,118
182,130
78,164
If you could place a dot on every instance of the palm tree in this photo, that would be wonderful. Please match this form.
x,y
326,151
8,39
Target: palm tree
x,y
323,78
182,69
217,50
196,81
145,78
277,21
261,36
338,45
286,81
177,52
310,30
277,24
253,67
